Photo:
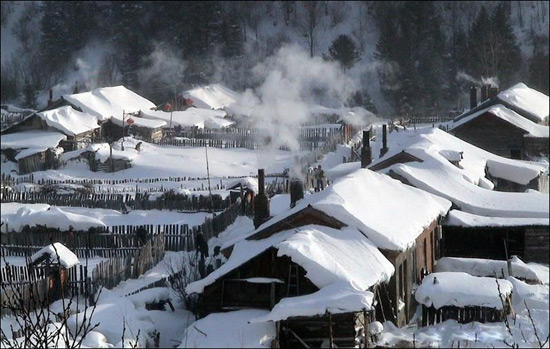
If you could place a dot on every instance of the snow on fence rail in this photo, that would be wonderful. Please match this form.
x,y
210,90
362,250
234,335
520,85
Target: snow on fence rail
x,y
8,180
134,201
116,241
109,273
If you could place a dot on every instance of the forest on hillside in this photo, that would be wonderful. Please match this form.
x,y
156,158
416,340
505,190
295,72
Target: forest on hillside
x,y
407,57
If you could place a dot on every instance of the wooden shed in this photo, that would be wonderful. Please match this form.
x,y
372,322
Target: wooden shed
x,y
310,296
56,259
464,298
410,248
468,235
502,131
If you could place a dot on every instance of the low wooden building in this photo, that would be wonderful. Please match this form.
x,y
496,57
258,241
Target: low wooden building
x,y
468,235
56,259
464,298
302,290
143,129
502,131
79,128
33,150
32,160
354,201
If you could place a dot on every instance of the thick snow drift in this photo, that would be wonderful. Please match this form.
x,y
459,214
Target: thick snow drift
x,y
339,297
69,121
57,252
528,99
461,290
108,102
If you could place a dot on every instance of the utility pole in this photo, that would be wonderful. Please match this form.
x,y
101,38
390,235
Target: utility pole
x,y
122,144
209,188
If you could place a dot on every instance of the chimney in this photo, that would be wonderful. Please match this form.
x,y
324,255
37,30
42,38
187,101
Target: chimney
x,y
366,151
493,92
261,202
473,97
296,185
384,149
50,101
484,93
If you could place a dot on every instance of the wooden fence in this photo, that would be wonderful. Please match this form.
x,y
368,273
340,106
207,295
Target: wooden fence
x,y
111,272
10,181
133,201
31,291
117,241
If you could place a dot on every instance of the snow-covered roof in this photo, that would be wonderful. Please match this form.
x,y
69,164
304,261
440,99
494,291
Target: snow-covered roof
x,y
30,151
46,215
69,121
213,96
138,121
328,255
462,186
486,267
247,182
202,118
57,253
465,219
107,102
510,116
524,98
31,139
339,297
461,290
391,214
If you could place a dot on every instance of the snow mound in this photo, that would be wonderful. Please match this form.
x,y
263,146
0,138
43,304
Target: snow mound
x,y
340,297
486,267
461,290
230,330
69,121
57,252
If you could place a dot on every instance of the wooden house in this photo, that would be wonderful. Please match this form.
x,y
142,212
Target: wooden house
x,y
302,276
502,131
361,200
469,235
525,101
143,129
81,129
56,259
33,150
464,298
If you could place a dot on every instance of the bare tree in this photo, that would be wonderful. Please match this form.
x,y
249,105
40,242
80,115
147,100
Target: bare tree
x,y
37,323
308,23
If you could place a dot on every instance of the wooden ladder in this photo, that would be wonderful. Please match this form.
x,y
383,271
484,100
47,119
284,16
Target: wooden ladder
x,y
293,285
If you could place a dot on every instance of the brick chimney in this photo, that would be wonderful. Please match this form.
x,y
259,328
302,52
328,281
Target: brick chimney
x,y
366,152
50,101
493,92
473,97
484,93
261,202
384,149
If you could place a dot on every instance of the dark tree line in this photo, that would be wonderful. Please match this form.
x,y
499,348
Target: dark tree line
x,y
419,55
420,64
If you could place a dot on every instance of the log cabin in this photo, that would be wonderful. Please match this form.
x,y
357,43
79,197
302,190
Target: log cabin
x,y
310,278
33,150
469,235
81,129
363,200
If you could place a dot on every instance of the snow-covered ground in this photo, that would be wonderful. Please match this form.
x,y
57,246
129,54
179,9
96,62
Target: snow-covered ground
x,y
16,215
